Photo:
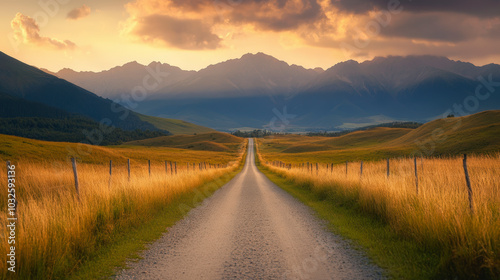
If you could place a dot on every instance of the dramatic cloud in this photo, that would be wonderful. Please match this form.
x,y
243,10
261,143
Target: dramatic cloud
x,y
488,8
357,28
181,33
200,24
79,13
436,27
277,15
27,30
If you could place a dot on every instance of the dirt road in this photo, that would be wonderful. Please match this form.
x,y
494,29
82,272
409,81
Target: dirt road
x,y
250,229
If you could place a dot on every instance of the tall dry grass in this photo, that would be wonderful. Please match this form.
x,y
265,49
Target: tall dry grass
x,y
437,218
56,231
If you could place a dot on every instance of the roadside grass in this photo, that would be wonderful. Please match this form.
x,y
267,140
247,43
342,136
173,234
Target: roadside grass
x,y
400,258
109,259
58,232
429,235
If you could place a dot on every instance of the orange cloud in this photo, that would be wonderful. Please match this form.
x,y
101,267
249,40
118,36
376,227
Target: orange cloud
x,y
355,28
79,13
189,34
206,22
27,30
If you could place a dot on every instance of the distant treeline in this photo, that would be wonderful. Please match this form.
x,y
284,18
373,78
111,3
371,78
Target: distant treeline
x,y
71,129
257,133
411,125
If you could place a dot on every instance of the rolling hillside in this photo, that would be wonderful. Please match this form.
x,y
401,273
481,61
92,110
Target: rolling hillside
x,y
213,141
478,133
366,138
15,148
175,126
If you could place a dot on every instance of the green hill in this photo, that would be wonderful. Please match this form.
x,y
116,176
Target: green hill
x,y
175,126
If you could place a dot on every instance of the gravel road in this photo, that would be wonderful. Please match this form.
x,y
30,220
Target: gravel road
x,y
250,229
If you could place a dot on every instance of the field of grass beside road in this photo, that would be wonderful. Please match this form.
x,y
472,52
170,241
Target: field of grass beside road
x,y
57,232
437,219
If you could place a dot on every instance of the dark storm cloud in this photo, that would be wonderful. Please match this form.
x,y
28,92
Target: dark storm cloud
x,y
179,33
277,15
434,27
280,20
487,8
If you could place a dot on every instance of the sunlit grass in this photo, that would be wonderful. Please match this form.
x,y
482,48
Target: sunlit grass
x,y
438,218
57,231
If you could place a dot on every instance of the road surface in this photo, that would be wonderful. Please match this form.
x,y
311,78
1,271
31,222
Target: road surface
x,y
250,229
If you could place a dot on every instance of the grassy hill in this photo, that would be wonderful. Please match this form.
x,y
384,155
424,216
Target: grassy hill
x,y
15,148
212,141
478,133
175,126
365,138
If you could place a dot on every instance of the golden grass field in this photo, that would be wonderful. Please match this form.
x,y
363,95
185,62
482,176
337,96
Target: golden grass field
x,y
56,232
437,218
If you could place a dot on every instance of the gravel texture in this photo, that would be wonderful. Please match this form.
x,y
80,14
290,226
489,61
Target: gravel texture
x,y
251,229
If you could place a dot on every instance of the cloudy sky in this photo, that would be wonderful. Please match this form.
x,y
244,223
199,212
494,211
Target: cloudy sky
x,y
96,35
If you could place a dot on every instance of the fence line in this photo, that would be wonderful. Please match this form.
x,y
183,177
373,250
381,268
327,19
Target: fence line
x,y
309,168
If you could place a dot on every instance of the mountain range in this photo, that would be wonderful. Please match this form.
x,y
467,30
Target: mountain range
x,y
260,91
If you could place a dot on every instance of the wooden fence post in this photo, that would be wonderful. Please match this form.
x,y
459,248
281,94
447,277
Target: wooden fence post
x,y
166,167
149,167
346,163
317,168
75,173
469,187
388,168
361,170
175,163
331,169
416,172
171,168
110,172
128,164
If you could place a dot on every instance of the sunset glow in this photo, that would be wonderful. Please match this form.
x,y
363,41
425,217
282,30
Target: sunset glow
x,y
96,35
